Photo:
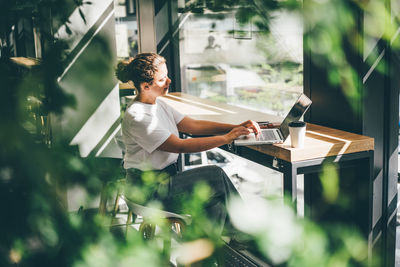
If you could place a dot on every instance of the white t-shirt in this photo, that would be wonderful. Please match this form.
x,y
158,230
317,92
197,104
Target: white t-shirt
x,y
144,128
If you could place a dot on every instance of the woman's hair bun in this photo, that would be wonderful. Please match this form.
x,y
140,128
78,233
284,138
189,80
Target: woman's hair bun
x,y
140,69
122,72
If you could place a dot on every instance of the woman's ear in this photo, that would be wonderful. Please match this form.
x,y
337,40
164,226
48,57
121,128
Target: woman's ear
x,y
144,86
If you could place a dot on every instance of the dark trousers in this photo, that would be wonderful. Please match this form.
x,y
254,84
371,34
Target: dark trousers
x,y
175,190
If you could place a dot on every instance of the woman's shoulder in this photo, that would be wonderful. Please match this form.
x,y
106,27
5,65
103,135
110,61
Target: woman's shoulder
x,y
161,103
139,107
137,112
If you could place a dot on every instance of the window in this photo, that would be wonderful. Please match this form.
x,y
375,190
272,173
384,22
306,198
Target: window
x,y
242,65
126,29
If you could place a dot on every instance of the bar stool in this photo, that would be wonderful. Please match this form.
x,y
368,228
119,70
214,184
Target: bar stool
x,y
147,227
175,223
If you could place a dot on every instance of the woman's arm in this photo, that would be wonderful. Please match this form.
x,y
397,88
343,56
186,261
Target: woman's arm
x,y
202,127
175,144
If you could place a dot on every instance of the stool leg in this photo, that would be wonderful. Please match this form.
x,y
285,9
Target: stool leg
x,y
103,200
178,226
148,230
128,221
116,204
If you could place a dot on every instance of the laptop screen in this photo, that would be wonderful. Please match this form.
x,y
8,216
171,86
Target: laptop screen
x,y
295,113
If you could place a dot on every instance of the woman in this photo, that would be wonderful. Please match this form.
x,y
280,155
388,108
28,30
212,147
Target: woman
x,y
150,131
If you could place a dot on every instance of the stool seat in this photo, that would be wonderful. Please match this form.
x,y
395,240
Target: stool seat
x,y
147,212
176,223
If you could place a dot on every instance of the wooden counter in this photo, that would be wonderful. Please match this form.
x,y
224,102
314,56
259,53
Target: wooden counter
x,y
320,142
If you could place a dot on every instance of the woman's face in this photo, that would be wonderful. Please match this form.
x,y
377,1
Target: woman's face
x,y
161,82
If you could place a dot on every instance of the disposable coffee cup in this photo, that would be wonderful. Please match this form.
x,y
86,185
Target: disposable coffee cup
x,y
297,131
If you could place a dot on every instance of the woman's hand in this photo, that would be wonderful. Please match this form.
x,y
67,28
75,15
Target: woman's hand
x,y
236,132
252,126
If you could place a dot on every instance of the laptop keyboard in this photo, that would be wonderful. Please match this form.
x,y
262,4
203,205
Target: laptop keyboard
x,y
267,135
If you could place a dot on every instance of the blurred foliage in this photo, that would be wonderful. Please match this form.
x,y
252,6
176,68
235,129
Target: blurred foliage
x,y
284,238
338,45
330,182
37,230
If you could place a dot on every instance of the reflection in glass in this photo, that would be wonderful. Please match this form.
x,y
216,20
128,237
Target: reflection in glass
x,y
242,65
126,28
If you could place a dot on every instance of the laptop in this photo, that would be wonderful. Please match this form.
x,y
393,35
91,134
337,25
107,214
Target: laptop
x,y
277,135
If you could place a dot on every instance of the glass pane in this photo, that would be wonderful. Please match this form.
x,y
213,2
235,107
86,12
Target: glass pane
x,y
126,28
242,65
248,177
193,159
